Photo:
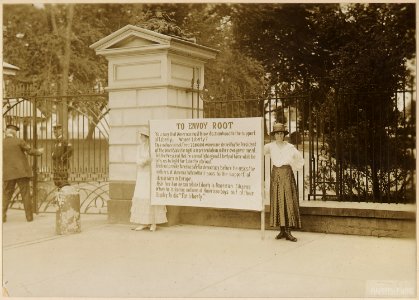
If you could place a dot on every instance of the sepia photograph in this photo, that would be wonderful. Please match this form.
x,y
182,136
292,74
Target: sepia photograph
x,y
209,149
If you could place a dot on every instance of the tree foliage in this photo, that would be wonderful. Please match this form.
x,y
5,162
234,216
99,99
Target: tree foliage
x,y
329,45
352,58
35,37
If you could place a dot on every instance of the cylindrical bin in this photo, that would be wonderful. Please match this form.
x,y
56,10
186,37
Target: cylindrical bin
x,y
68,211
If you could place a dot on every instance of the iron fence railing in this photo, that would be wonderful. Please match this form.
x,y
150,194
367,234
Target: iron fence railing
x,y
357,146
363,147
84,117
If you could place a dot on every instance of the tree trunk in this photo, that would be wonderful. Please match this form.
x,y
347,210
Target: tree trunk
x,y
95,121
66,66
64,56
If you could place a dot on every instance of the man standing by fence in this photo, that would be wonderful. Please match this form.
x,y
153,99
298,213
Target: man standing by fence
x,y
16,170
61,153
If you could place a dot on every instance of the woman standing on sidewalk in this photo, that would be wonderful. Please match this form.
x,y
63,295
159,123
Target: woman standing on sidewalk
x,y
142,212
285,210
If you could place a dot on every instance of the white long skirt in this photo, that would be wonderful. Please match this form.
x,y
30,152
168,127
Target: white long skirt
x,y
142,212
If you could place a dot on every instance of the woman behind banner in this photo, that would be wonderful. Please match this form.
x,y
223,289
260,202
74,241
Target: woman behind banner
x,y
142,212
285,210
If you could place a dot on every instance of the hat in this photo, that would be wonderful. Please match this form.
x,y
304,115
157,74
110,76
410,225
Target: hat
x,y
57,126
279,127
11,126
144,131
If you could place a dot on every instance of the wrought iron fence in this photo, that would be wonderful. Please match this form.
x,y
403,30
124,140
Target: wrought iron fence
x,y
357,146
84,117
363,147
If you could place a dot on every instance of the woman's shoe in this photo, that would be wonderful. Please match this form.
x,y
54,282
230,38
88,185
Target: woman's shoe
x,y
141,227
289,237
153,227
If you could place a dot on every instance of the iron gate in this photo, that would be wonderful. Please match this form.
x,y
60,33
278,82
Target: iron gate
x,y
84,117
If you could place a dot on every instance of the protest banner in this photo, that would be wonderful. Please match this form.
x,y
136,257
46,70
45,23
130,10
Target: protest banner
x,y
207,162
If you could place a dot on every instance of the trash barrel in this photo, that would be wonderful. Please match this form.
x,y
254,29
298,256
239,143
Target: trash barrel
x,y
68,211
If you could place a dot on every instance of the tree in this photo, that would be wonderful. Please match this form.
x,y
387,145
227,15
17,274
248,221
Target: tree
x,y
48,29
370,69
349,49
328,44
19,24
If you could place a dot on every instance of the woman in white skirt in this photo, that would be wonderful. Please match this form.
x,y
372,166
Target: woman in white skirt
x,y
285,209
142,212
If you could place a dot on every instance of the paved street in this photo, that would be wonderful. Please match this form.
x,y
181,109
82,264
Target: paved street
x,y
108,260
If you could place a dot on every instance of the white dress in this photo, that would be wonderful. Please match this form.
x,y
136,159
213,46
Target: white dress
x,y
142,212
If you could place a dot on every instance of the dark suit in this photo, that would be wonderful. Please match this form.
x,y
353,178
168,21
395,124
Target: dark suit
x,y
61,153
16,170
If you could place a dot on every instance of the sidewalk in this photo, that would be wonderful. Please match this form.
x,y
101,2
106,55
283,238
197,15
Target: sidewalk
x,y
108,260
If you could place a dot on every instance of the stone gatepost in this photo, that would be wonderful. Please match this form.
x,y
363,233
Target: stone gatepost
x,y
149,77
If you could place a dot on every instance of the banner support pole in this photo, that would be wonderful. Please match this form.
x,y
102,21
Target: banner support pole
x,y
262,222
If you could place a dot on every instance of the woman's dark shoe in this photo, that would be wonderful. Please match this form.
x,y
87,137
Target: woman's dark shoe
x,y
280,235
289,237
